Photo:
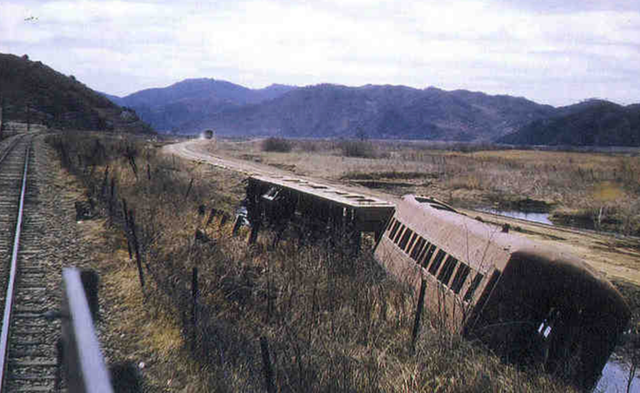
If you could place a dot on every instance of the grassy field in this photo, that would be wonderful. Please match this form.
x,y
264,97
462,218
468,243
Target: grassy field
x,y
331,322
593,190
598,191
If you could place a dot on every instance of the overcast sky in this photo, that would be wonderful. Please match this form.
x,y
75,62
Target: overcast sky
x,y
554,52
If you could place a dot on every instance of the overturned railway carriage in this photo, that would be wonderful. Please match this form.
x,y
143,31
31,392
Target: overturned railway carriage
x,y
527,301
318,209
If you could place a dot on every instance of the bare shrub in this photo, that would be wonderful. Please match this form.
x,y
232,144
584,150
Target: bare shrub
x,y
361,149
278,145
333,321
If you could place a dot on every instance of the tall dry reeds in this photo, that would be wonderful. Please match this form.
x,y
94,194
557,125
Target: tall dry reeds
x,y
303,316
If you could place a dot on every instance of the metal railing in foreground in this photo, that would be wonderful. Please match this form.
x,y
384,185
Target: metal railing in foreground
x,y
84,364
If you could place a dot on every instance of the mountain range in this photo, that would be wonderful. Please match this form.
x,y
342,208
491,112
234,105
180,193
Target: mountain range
x,y
32,91
381,112
327,110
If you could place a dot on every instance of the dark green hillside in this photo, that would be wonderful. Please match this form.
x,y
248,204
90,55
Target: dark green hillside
x,y
34,92
592,123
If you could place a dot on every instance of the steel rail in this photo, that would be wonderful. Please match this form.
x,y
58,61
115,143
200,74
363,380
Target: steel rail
x,y
8,305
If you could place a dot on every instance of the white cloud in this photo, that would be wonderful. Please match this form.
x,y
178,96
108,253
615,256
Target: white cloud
x,y
457,44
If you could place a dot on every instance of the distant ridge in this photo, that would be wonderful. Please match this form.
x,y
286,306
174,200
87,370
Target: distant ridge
x,y
170,108
590,123
34,92
327,110
381,111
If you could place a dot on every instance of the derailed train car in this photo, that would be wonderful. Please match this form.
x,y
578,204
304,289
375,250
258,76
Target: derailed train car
x,y
280,202
528,302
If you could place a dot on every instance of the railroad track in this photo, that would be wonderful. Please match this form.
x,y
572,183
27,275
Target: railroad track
x,y
28,354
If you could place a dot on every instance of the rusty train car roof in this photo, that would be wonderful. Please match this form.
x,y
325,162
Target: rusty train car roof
x,y
484,246
326,192
481,244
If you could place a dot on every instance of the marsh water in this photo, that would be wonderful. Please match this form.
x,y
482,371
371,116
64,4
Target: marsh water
x,y
542,218
614,379
614,375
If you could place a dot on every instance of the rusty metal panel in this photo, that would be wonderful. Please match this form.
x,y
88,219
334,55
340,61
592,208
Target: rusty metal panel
x,y
366,213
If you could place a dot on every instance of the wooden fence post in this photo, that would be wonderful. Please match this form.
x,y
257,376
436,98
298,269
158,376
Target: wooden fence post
x,y
224,219
236,226
113,188
126,227
416,324
132,227
105,181
186,195
266,364
212,215
194,306
111,199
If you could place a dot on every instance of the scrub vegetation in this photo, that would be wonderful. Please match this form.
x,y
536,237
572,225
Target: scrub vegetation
x,y
306,316
588,189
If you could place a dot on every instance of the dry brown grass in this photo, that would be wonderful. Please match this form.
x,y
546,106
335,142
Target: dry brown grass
x,y
597,190
333,322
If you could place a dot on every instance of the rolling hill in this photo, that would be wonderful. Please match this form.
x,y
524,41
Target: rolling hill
x,y
192,100
326,110
386,112
590,123
31,91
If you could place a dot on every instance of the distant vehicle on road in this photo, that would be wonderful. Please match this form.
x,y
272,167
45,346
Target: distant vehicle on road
x,y
208,134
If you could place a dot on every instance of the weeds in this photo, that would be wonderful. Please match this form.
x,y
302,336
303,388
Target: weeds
x,y
360,149
279,145
566,183
332,322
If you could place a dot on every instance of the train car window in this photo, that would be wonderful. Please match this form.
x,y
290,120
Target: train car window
x,y
417,249
437,261
423,250
396,238
405,238
460,277
447,270
389,227
429,250
411,242
394,228
546,326
472,288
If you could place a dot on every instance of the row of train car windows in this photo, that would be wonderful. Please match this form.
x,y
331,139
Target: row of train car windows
x,y
421,251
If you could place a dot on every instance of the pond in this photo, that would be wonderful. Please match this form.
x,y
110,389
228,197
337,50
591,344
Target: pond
x,y
614,379
542,218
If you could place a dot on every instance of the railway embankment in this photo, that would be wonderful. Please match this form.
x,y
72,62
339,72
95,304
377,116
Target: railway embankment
x,y
48,241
